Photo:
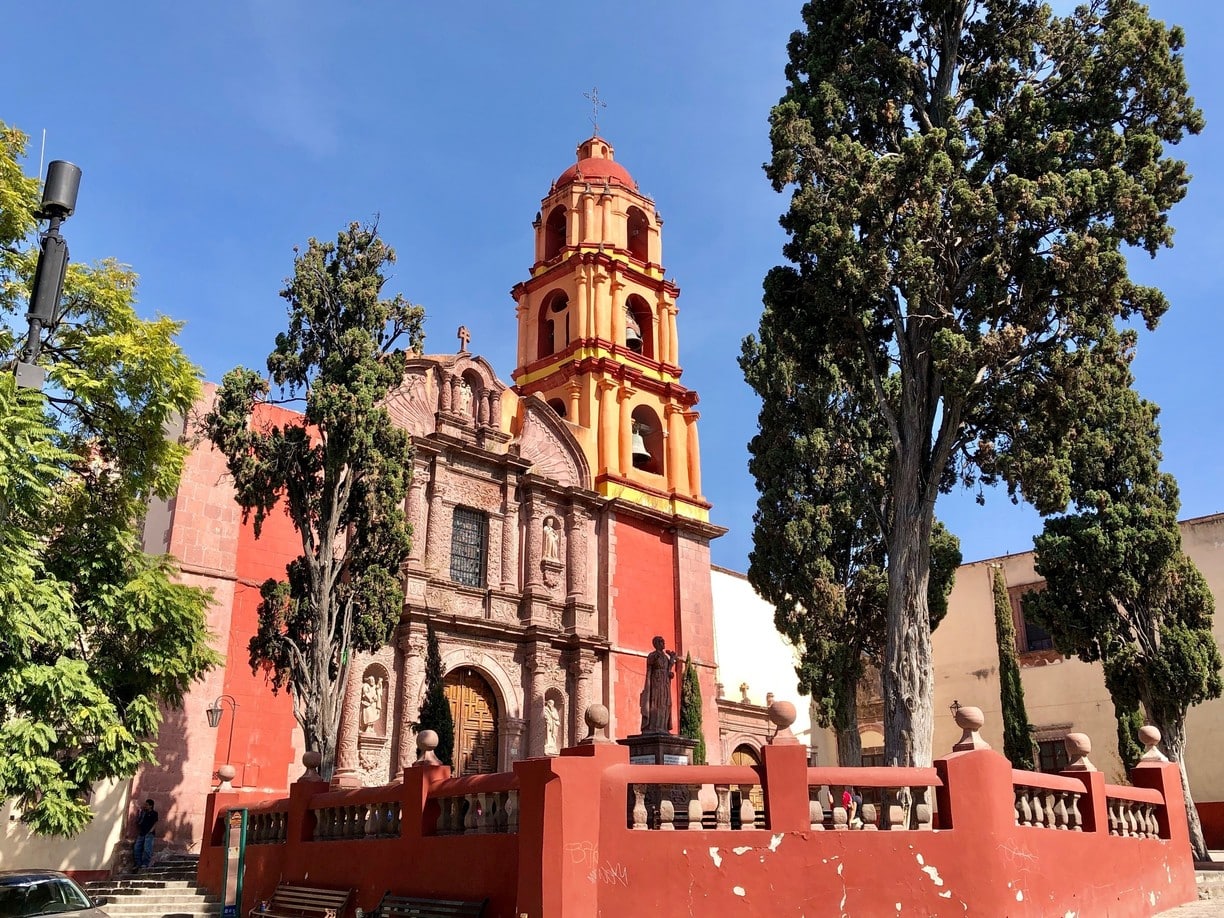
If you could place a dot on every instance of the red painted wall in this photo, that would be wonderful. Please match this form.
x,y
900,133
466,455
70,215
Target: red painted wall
x,y
1211,815
643,604
575,857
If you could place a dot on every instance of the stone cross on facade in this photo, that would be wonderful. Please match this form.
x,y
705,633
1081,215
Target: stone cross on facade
x,y
465,336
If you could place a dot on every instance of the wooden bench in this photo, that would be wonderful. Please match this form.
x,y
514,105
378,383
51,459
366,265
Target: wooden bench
x,y
416,907
290,901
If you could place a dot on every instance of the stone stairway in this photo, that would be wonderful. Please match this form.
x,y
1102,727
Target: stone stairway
x,y
165,890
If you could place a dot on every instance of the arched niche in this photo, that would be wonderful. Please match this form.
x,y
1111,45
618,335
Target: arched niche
x,y
553,324
638,232
557,697
639,316
375,700
554,232
646,424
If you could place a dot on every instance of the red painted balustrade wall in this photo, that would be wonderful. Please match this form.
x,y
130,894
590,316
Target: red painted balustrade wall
x,y
556,838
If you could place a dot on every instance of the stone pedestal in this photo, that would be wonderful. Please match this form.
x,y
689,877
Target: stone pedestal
x,y
660,749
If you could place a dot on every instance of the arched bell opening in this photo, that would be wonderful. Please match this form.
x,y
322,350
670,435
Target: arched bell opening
x,y
558,407
554,232
647,432
554,322
639,234
639,326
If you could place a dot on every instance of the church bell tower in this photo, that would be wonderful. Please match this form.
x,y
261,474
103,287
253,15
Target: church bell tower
x,y
597,336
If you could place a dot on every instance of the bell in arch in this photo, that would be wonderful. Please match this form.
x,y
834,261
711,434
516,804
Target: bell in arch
x,y
641,455
633,333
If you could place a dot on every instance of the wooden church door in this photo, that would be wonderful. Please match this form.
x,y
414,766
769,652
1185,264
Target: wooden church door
x,y
474,709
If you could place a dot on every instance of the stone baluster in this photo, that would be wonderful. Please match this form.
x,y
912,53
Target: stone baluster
x,y
667,814
1060,810
868,816
694,807
815,816
512,811
841,821
747,813
639,808
722,816
486,818
469,815
1024,814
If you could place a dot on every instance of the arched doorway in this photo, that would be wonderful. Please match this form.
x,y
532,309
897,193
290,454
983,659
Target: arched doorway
x,y
474,709
746,755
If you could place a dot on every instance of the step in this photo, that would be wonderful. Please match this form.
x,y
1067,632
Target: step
x,y
183,896
1210,884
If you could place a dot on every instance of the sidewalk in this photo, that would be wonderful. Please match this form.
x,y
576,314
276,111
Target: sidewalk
x,y
1203,908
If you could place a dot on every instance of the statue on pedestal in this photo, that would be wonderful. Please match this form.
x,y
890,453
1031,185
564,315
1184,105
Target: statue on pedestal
x,y
656,694
552,726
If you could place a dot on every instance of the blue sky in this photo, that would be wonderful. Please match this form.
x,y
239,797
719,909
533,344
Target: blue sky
x,y
215,137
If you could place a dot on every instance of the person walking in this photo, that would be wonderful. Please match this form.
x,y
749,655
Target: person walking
x,y
142,848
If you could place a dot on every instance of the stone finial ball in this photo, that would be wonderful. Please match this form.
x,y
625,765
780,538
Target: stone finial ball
x,y
1078,744
1149,736
781,714
427,741
597,716
970,718
312,760
227,772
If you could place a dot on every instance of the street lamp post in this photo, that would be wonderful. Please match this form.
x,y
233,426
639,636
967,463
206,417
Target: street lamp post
x,y
58,203
227,771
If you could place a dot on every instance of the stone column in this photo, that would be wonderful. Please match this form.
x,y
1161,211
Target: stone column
x,y
480,408
576,545
495,410
616,331
608,455
677,459
535,664
535,524
605,212
435,538
520,311
663,338
581,307
580,670
412,673
347,773
444,391
626,430
694,452
603,302
673,346
573,389
416,511
509,542
588,217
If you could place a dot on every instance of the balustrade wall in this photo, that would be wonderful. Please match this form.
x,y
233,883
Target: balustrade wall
x,y
587,833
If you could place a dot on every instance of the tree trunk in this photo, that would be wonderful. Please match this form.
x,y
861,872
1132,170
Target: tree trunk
x,y
849,744
1173,738
907,683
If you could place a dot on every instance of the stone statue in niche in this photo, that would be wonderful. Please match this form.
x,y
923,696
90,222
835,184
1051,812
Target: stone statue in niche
x,y
656,694
552,727
371,704
463,400
552,540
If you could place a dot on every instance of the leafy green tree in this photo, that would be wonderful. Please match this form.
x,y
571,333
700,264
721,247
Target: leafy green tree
x,y
818,555
690,710
1119,588
435,709
1017,732
96,635
964,177
340,466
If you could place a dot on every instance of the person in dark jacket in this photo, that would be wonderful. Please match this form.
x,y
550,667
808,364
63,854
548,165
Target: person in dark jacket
x,y
142,849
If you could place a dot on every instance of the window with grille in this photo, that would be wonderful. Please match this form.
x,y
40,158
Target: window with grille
x,y
1051,756
469,540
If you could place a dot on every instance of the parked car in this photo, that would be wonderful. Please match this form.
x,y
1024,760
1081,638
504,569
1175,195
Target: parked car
x,y
26,893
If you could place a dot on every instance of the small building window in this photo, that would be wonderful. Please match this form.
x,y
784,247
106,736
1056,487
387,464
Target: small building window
x,y
469,544
1029,635
1051,756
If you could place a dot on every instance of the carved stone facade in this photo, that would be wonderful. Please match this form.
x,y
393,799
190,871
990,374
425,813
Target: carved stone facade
x,y
505,535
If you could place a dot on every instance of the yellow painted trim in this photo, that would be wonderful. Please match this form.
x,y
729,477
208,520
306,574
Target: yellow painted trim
x,y
583,353
676,506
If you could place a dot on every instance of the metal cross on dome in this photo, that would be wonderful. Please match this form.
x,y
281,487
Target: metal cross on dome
x,y
596,104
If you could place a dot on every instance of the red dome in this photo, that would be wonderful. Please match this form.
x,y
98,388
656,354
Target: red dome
x,y
595,170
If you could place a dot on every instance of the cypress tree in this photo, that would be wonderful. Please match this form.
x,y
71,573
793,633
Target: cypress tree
x,y
690,710
435,709
1017,733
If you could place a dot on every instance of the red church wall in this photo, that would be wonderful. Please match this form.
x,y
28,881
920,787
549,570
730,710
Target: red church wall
x,y
643,603
569,850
